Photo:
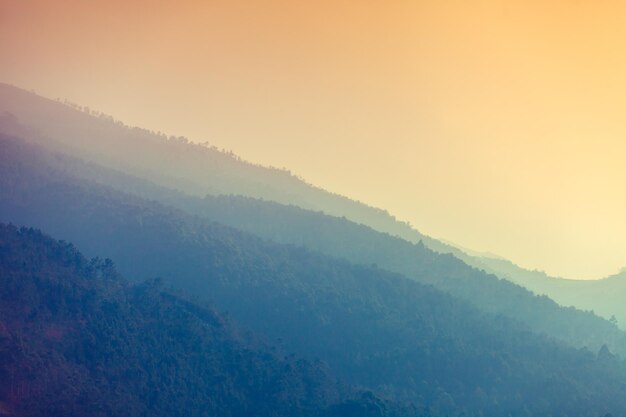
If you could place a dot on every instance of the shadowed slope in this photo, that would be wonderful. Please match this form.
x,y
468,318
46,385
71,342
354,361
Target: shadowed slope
x,y
339,237
76,339
201,170
374,328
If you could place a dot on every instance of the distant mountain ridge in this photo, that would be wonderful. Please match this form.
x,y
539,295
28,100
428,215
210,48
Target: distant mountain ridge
x,y
604,297
201,170
405,340
339,237
376,328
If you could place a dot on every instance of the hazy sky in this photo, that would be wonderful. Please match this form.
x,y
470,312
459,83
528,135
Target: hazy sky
x,y
498,125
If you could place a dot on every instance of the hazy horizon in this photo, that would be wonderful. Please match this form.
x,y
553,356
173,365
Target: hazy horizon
x,y
495,126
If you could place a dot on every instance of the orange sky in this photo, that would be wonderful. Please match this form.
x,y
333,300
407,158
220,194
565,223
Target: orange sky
x,y
498,125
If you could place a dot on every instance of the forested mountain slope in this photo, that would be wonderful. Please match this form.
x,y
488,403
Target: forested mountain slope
x,y
199,170
76,339
359,244
376,329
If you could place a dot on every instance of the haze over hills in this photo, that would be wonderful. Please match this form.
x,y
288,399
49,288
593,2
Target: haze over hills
x,y
173,162
498,127
603,296
405,340
339,237
292,263
357,209
200,170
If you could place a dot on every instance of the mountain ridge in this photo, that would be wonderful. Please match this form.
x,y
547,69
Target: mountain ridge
x,y
149,155
338,237
376,329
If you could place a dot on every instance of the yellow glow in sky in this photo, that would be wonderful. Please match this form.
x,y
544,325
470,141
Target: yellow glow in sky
x,y
498,125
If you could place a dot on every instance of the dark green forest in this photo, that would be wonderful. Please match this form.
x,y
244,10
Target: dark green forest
x,y
77,339
406,341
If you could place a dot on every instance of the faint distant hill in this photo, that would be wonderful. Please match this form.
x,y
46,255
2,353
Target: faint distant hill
x,y
606,297
200,170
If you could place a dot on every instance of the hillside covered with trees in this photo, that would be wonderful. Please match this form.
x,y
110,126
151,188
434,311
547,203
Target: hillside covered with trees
x,y
201,169
404,340
77,339
341,238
